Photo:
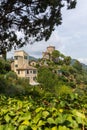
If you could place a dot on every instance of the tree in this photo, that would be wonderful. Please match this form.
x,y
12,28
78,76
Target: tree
x,y
78,66
55,56
34,19
4,66
47,78
67,60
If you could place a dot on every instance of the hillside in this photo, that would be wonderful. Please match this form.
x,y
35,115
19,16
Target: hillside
x,y
62,70
83,65
32,58
59,102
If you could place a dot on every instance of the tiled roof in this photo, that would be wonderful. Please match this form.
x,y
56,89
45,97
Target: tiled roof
x,y
51,47
26,67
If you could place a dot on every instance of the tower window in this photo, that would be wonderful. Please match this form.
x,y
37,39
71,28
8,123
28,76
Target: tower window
x,y
25,57
16,57
16,65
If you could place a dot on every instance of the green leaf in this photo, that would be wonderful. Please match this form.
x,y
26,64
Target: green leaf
x,y
34,128
79,114
46,128
7,118
60,119
73,124
77,129
37,118
39,109
40,123
69,118
25,116
45,114
12,114
53,109
26,122
63,128
22,127
4,111
57,120
50,120
54,128
2,127
9,127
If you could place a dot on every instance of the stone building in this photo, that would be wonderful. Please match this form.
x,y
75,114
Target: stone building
x,y
20,65
48,52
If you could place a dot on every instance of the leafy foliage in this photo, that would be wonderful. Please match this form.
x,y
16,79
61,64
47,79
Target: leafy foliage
x,y
47,78
11,85
60,114
77,65
58,103
4,66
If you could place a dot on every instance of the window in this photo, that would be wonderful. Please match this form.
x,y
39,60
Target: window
x,y
18,71
34,71
16,65
27,71
25,57
30,71
16,57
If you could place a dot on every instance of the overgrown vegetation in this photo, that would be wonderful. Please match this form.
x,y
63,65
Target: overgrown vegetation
x,y
58,103
67,112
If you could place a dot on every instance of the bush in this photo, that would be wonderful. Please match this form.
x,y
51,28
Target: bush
x,y
63,90
3,84
11,74
4,66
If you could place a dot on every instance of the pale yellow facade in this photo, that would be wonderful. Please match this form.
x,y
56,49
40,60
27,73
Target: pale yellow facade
x,y
22,68
20,59
28,72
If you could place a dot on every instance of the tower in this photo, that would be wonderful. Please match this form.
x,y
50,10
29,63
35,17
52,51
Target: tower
x,y
20,59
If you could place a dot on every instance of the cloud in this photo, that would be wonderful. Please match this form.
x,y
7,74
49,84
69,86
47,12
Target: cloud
x,y
83,60
70,38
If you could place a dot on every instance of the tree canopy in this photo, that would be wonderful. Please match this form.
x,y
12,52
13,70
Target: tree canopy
x,y
34,19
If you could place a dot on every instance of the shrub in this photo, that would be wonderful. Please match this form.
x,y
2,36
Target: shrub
x,y
63,90
2,84
4,66
11,74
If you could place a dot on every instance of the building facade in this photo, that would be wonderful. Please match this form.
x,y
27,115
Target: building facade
x,y
20,65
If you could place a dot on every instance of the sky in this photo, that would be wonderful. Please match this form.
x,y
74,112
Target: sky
x,y
70,38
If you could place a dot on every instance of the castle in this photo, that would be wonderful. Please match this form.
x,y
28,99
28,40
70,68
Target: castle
x,y
48,52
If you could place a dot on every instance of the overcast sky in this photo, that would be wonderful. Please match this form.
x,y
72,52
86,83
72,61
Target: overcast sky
x,y
70,38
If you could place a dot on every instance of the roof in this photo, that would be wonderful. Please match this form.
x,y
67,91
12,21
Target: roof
x,y
26,67
51,47
21,51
